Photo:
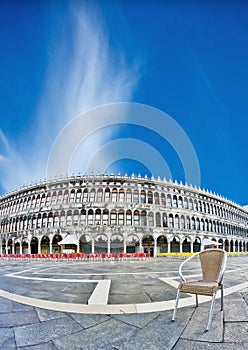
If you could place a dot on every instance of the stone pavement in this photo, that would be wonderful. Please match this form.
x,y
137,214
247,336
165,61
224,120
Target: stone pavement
x,y
29,327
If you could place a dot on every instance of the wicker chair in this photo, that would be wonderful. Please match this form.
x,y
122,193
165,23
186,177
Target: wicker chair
x,y
213,264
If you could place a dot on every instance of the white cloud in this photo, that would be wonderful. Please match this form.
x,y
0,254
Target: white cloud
x,y
3,158
83,72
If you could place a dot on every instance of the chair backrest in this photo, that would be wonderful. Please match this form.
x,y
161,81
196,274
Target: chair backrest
x,y
212,264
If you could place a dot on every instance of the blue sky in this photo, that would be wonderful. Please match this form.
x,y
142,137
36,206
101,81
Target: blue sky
x,y
186,58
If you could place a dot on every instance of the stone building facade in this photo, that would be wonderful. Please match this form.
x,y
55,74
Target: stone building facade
x,y
108,213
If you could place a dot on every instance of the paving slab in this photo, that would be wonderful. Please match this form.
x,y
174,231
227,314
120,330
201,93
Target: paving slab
x,y
236,310
106,335
236,332
196,327
45,331
13,319
159,334
7,339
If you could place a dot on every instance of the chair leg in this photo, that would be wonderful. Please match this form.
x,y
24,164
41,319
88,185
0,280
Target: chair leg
x,y
176,305
210,313
196,300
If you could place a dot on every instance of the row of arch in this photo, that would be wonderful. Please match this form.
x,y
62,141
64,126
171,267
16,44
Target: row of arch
x,y
116,243
121,196
120,217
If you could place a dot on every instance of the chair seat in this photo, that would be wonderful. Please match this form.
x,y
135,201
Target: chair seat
x,y
198,287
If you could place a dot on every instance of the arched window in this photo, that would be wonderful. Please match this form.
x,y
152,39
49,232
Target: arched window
x,y
59,199
65,198
129,196
136,196
195,205
176,221
114,195
158,220
98,216
69,218
90,217
121,196
78,197
54,198
149,197
169,202
174,202
56,219
180,202
113,217
83,217
182,222
121,217
33,202
186,203
188,223
128,218
48,199
50,220
92,195
44,220
156,198
143,221
151,219
75,217
72,196
107,195
105,216
163,200
143,197
99,195
62,218
193,223
164,220
136,218
85,195
190,204
197,224
170,221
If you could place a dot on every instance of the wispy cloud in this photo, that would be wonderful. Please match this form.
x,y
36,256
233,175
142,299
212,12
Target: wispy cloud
x,y
83,72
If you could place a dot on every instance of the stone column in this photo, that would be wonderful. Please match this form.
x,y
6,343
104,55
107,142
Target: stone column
x,y
191,246
20,246
155,248
39,245
169,245
140,246
124,246
108,245
92,246
181,246
50,247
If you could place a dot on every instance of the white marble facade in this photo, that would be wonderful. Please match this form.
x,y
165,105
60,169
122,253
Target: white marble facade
x,y
108,213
